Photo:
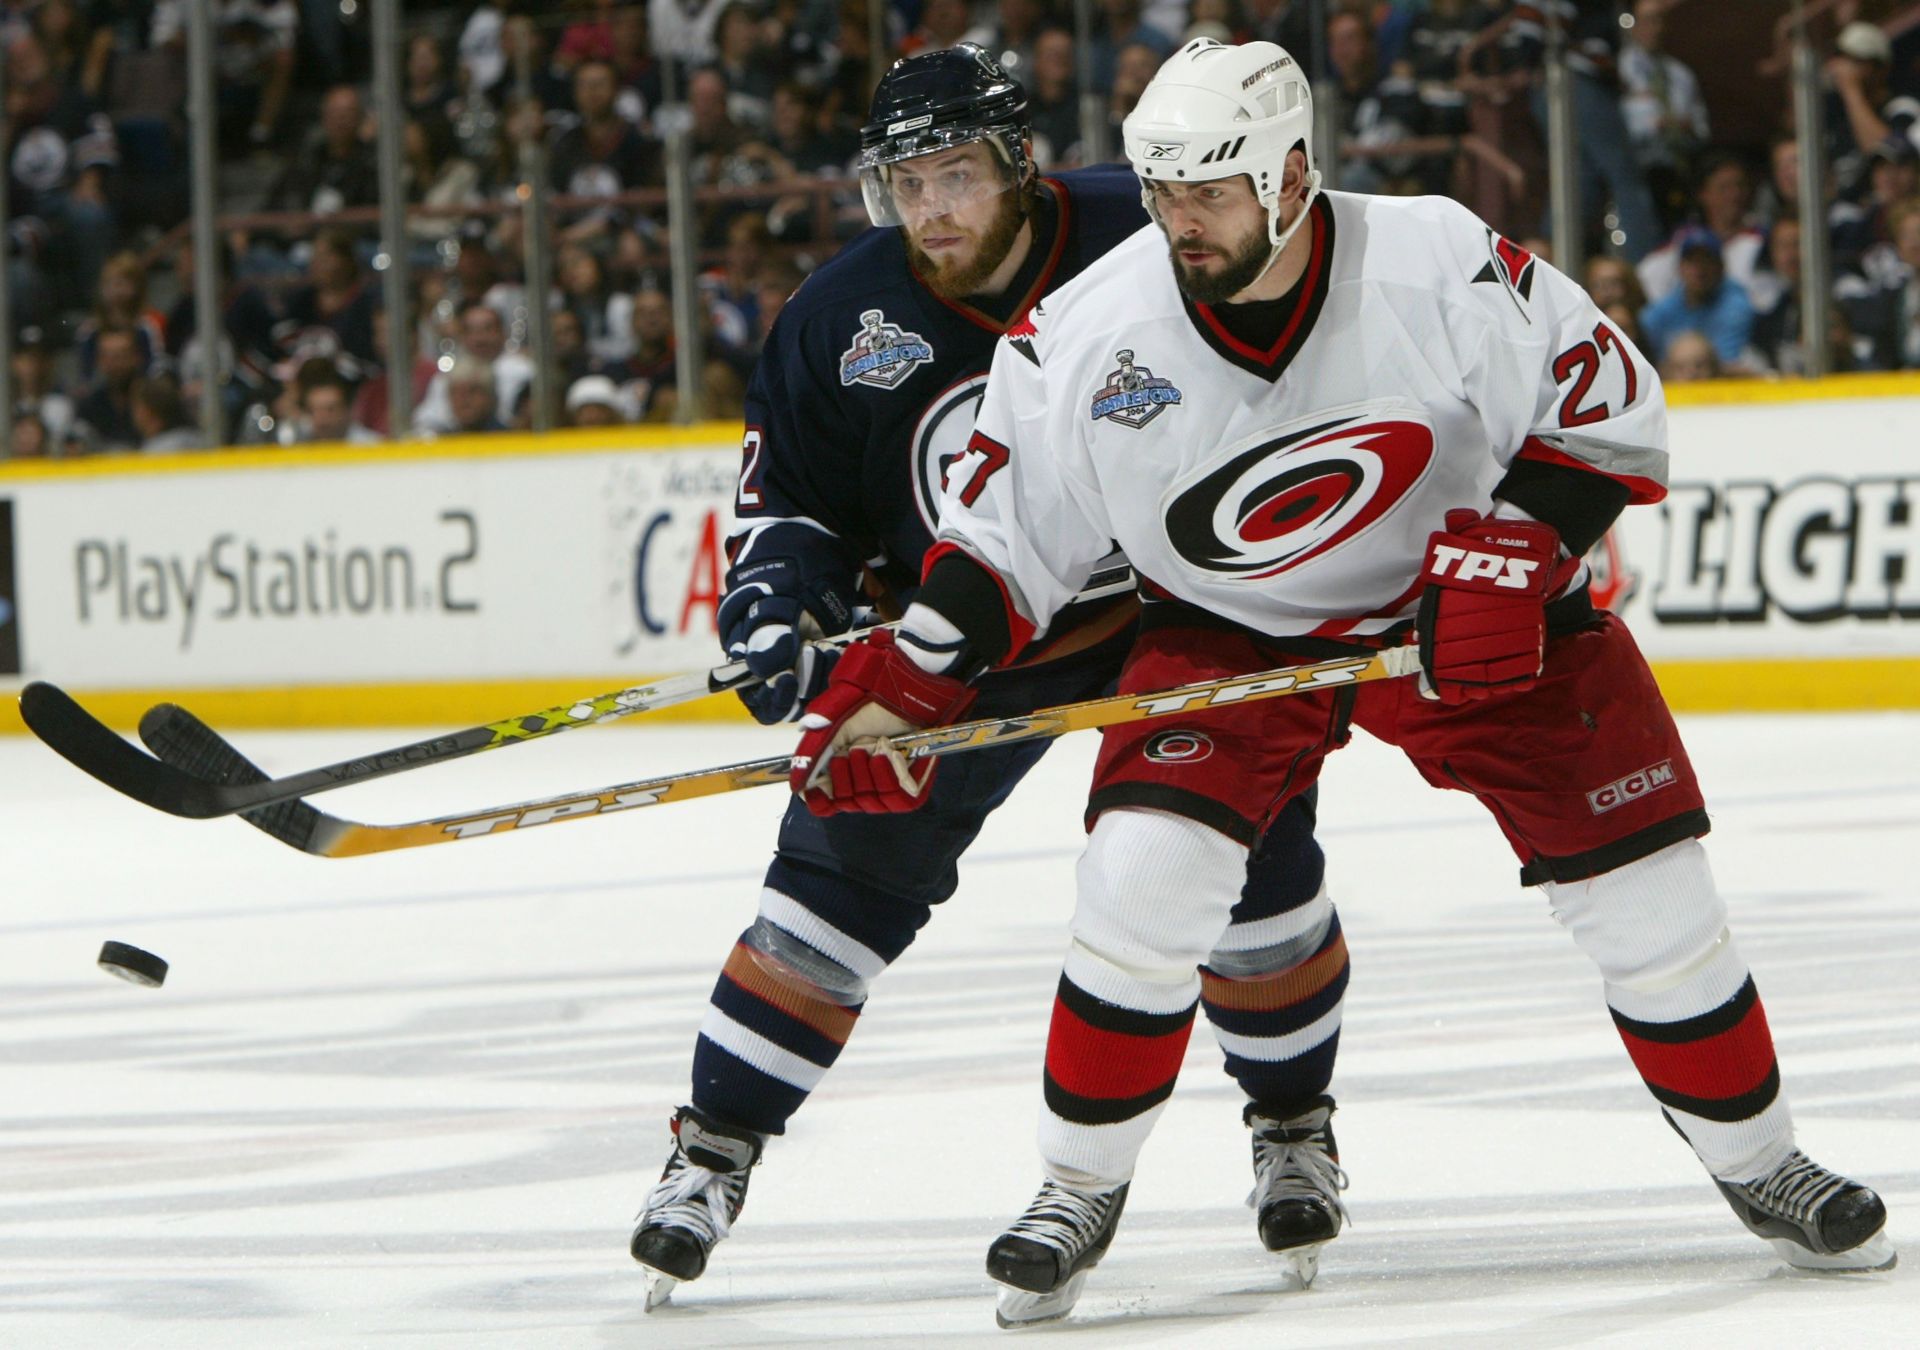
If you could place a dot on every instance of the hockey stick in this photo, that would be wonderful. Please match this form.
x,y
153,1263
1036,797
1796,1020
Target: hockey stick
x,y
191,746
90,745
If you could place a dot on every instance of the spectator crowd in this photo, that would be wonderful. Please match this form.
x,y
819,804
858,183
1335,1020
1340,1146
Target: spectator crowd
x,y
1692,239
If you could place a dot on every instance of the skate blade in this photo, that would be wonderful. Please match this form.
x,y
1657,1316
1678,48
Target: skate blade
x,y
1019,1308
1876,1253
1303,1263
659,1290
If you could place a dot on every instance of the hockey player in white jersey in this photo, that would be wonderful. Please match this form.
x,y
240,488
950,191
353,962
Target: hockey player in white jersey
x,y
1316,422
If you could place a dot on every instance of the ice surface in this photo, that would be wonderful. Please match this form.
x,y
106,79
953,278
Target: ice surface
x,y
414,1099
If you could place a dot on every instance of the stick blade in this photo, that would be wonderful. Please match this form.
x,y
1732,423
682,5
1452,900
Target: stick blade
x,y
94,748
156,719
191,746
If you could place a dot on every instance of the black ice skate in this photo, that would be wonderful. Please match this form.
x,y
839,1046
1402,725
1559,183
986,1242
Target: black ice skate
x,y
1816,1219
694,1203
1296,1183
1043,1259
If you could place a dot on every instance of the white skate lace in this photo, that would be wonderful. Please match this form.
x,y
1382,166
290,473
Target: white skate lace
x,y
1062,1219
1289,1170
693,1198
1797,1187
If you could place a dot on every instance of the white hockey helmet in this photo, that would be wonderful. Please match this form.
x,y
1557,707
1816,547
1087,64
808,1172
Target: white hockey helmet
x,y
1215,111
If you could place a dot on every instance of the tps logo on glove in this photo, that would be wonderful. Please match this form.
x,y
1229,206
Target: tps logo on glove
x,y
1501,569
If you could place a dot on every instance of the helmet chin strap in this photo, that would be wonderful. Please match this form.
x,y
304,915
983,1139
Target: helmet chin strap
x,y
1285,236
1023,169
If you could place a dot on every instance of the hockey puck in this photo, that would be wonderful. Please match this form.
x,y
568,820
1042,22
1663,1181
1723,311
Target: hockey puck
x,y
133,965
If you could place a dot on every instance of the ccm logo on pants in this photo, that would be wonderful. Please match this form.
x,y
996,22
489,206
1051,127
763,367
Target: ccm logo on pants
x,y
1636,784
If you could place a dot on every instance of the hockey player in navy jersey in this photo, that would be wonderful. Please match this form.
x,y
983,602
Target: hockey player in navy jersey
x,y
863,400
1314,418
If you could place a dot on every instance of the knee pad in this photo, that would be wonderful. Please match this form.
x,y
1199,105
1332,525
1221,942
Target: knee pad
x,y
1250,950
796,946
1651,925
1155,890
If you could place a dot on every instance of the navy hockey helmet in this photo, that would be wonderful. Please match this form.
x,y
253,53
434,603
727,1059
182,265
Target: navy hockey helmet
x,y
936,101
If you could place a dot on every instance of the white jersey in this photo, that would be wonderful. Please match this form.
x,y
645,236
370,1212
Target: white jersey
x,y
1292,490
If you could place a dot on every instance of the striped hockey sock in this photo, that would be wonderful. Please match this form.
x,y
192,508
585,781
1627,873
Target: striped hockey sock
x,y
1685,1004
1716,1075
791,991
1164,900
768,1038
1280,1029
1111,1065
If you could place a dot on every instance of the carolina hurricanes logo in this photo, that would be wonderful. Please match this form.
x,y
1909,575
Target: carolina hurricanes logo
x,y
1291,497
939,439
1178,747
1511,267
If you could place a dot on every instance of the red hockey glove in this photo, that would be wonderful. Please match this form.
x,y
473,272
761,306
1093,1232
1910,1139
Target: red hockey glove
x,y
876,692
1482,623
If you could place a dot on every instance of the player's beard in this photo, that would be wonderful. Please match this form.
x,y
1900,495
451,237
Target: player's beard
x,y
955,281
1243,268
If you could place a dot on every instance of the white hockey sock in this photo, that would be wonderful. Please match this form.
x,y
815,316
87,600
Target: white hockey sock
x,y
1684,1004
1155,893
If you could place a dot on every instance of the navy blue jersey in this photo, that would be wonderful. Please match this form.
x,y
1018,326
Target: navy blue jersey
x,y
868,385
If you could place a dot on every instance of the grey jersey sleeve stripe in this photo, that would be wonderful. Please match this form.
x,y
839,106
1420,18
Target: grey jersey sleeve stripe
x,y
1610,457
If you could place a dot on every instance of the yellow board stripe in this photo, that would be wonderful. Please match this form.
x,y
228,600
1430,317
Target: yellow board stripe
x,y
1812,684
585,441
1713,393
1826,685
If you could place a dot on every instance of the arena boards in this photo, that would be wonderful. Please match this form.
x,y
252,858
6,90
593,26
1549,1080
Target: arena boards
x,y
432,583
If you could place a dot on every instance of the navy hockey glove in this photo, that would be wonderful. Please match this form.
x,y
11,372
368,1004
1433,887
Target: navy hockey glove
x,y
773,605
1482,623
